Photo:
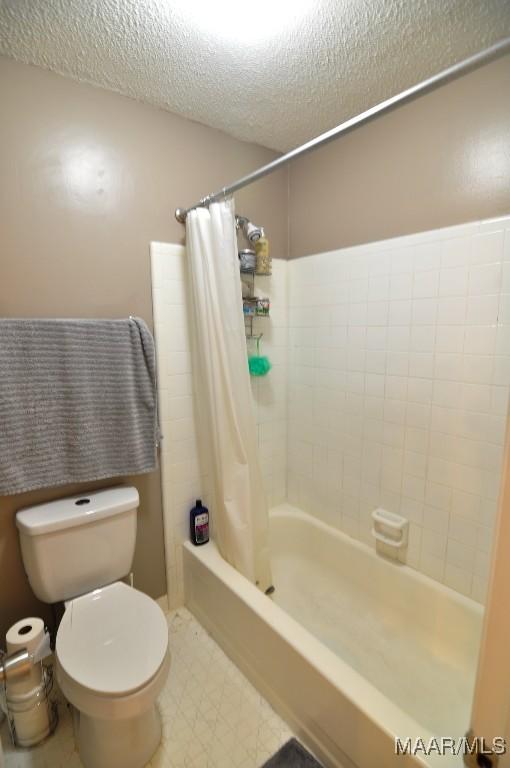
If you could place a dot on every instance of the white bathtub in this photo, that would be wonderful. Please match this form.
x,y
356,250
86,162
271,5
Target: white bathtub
x,y
352,650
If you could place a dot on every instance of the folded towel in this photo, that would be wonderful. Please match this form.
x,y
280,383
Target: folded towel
x,y
77,401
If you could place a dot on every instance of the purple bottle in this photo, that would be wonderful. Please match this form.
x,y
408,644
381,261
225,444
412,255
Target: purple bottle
x,y
199,524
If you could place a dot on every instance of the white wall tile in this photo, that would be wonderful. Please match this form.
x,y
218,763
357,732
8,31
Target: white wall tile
x,y
453,281
451,311
446,393
504,309
501,371
482,310
402,261
480,339
436,520
438,496
400,312
401,286
433,543
396,387
499,399
397,363
376,338
419,390
447,365
421,364
478,369
426,284
424,311
422,338
417,439
460,555
377,313
456,251
487,247
463,530
485,278
505,277
379,287
427,256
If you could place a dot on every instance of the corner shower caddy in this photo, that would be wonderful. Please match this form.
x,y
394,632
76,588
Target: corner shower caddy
x,y
251,304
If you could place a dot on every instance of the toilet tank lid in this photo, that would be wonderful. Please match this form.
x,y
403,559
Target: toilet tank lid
x,y
76,510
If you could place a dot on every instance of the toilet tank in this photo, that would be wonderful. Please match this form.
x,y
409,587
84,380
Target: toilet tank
x,y
74,545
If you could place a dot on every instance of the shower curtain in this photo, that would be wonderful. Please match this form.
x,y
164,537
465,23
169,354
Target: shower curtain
x,y
227,429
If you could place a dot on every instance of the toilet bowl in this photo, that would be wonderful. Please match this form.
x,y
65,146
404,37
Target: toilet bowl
x,y
112,661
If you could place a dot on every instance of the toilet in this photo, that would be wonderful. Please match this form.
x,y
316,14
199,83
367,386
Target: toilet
x,y
111,652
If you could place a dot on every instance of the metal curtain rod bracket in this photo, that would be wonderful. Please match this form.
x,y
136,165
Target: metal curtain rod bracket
x,y
498,49
180,213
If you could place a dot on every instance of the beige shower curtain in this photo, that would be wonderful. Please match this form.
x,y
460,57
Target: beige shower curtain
x,y
227,429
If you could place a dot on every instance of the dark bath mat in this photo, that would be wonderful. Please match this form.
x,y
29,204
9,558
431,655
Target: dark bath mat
x,y
292,755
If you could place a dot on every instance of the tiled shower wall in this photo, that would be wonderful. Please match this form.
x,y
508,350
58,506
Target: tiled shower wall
x,y
399,374
390,382
183,478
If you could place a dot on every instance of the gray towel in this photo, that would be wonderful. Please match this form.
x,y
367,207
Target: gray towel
x,y
77,401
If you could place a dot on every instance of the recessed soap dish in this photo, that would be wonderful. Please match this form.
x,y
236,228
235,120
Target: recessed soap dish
x,y
389,528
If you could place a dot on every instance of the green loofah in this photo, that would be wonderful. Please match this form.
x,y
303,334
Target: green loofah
x,y
259,365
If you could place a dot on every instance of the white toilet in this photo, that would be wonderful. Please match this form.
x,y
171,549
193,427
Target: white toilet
x,y
112,655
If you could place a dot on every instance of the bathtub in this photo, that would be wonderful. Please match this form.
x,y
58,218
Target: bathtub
x,y
351,649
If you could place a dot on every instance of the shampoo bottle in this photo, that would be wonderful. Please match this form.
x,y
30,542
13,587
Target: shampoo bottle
x,y
263,258
199,524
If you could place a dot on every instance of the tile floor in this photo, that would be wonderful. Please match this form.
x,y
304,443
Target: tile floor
x,y
212,716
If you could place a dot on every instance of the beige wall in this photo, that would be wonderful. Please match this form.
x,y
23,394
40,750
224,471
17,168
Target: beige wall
x,y
88,179
442,159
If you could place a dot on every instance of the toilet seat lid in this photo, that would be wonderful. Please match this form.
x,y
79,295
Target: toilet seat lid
x,y
112,640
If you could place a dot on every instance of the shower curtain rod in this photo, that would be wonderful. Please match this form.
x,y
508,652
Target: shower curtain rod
x,y
498,49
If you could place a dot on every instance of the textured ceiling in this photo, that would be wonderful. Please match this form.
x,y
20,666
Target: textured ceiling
x,y
321,61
